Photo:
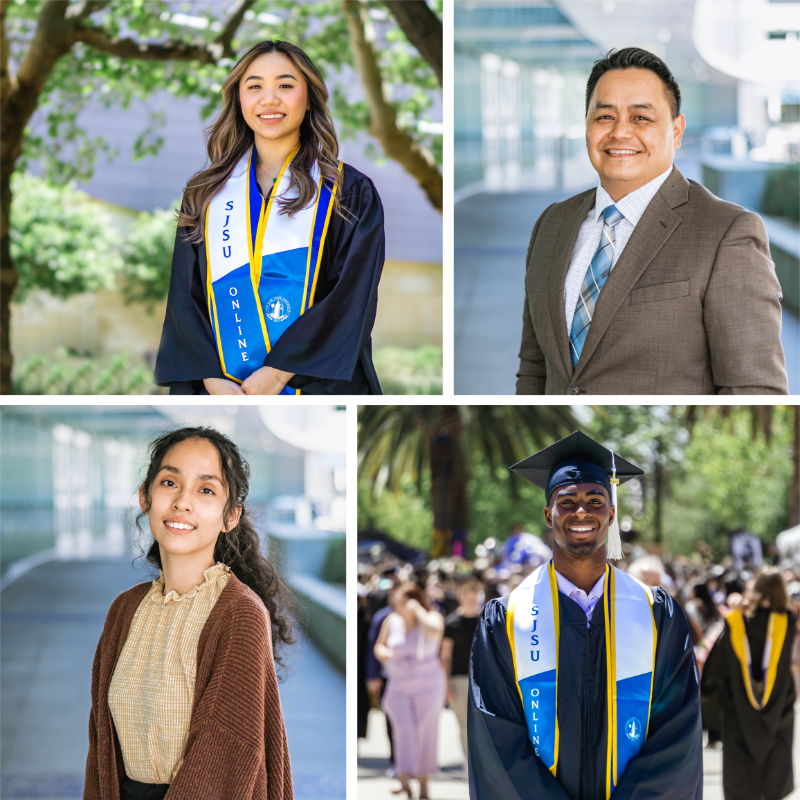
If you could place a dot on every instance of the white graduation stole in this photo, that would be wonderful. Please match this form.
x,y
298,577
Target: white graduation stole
x,y
533,627
776,633
262,265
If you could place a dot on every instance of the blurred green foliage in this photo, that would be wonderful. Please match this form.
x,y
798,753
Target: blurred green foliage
x,y
720,475
61,241
782,193
65,373
409,370
147,253
86,75
64,243
334,568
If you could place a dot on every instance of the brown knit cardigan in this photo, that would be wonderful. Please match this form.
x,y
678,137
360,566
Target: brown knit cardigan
x,y
236,748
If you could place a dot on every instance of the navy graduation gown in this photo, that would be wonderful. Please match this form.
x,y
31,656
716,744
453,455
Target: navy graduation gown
x,y
329,347
502,763
757,745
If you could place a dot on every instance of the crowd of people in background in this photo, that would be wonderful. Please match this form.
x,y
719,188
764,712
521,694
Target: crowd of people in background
x,y
417,618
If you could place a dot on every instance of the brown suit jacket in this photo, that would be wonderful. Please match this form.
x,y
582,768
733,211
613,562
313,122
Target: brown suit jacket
x,y
692,306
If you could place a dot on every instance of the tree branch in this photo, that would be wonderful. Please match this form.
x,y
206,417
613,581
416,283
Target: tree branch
x,y
423,29
150,51
397,144
221,47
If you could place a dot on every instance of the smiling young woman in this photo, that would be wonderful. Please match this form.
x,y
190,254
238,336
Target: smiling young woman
x,y
279,248
184,688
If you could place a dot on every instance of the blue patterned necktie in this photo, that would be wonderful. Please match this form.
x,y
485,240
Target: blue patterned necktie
x,y
596,276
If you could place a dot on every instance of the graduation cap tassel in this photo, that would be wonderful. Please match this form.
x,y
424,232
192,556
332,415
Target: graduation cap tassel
x,y
614,551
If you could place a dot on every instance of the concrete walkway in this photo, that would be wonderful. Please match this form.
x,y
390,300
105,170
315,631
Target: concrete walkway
x,y
373,762
451,784
492,232
52,618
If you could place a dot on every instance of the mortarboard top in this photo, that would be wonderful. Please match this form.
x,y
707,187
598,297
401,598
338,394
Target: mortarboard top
x,y
579,459
577,447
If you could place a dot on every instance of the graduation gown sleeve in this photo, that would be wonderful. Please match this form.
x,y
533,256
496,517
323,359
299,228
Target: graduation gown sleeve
x,y
187,353
502,762
323,346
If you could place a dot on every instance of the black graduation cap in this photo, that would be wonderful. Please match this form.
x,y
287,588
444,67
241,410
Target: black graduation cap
x,y
579,459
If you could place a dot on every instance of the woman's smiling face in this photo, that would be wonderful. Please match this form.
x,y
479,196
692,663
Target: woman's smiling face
x,y
274,97
187,499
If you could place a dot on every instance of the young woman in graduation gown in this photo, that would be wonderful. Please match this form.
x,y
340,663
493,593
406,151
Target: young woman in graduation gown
x,y
757,693
279,247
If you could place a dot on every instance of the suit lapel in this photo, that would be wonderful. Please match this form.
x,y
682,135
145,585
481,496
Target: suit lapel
x,y
655,227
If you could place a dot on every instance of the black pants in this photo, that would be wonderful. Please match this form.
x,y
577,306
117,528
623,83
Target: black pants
x,y
134,790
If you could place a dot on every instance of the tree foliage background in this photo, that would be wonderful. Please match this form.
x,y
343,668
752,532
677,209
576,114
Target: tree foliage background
x,y
723,470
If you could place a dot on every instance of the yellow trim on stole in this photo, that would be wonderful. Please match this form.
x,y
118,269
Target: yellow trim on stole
x,y
321,244
255,253
255,267
551,574
611,681
510,632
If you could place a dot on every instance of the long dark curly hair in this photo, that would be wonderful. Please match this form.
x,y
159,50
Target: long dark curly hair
x,y
240,547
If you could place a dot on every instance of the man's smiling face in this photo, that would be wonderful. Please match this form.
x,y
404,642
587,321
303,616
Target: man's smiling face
x,y
630,134
579,515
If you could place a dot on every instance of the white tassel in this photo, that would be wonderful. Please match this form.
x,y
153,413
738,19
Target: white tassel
x,y
614,543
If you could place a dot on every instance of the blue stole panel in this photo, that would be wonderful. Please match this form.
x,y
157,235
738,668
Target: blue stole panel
x,y
533,628
262,265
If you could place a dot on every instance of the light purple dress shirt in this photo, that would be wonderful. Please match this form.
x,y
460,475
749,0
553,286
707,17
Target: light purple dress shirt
x,y
586,601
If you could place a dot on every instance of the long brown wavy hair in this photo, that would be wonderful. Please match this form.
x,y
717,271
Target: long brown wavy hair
x,y
229,137
770,586
240,547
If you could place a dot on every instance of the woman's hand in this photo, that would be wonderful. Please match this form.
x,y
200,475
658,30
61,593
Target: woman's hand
x,y
383,653
221,386
267,380
415,606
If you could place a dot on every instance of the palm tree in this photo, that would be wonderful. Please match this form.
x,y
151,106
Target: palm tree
x,y
397,441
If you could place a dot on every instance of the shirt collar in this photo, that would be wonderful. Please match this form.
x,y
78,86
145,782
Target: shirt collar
x,y
567,587
633,205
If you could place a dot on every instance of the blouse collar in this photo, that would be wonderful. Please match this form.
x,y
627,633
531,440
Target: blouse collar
x,y
212,575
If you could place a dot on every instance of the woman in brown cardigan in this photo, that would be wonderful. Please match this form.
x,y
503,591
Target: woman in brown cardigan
x,y
185,701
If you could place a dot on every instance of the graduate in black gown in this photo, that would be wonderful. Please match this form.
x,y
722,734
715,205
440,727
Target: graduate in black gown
x,y
756,742
329,348
502,760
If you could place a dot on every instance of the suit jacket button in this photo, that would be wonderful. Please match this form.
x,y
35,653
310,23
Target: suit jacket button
x,y
574,390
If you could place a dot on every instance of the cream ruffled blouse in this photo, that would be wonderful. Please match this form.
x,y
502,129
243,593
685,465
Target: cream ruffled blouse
x,y
152,690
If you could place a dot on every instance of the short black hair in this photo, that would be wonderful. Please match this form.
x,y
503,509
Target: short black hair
x,y
630,57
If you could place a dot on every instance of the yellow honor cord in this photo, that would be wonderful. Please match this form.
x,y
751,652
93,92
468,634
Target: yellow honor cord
x,y
551,572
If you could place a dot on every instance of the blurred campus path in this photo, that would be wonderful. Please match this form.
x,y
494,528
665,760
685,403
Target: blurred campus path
x,y
373,761
52,618
450,784
492,232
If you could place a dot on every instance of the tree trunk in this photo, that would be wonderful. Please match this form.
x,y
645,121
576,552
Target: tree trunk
x,y
422,28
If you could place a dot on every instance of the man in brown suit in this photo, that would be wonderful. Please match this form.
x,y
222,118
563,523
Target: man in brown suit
x,y
648,284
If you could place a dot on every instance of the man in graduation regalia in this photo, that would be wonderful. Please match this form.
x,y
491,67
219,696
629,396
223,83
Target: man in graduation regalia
x,y
583,683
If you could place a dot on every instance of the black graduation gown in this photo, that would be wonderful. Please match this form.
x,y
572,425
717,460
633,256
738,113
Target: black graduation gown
x,y
756,745
329,347
502,763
